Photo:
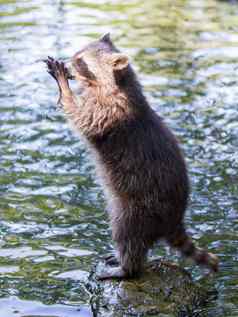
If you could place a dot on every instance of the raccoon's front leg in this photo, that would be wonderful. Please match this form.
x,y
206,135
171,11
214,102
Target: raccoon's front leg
x,y
67,99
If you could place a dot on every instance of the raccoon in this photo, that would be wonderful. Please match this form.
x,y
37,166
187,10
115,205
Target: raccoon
x,y
137,156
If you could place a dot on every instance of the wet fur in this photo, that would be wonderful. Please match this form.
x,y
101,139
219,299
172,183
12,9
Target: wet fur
x,y
142,168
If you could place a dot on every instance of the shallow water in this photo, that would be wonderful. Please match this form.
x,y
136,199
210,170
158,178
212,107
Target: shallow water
x,y
52,221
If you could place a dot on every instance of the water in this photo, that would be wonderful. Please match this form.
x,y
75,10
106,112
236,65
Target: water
x,y
52,223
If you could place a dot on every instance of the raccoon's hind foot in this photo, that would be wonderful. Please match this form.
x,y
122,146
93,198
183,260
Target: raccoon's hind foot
x,y
111,260
112,273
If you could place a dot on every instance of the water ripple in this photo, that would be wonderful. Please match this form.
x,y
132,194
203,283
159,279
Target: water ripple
x,y
52,223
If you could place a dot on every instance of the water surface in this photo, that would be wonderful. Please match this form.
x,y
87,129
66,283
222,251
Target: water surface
x,y
52,221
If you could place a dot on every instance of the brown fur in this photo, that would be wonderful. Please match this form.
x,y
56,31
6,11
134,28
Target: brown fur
x,y
143,170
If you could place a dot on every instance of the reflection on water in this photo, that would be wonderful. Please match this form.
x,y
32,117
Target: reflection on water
x,y
13,307
52,223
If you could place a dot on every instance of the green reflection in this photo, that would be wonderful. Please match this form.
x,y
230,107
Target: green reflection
x,y
52,219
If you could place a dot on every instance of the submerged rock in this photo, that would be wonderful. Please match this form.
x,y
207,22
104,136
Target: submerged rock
x,y
164,290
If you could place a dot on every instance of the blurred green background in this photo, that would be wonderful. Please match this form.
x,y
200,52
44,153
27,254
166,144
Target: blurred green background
x,y
52,221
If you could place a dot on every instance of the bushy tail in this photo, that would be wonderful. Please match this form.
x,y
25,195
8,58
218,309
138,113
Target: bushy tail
x,y
185,245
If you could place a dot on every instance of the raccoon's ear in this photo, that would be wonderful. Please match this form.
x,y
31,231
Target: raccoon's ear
x,y
119,61
105,38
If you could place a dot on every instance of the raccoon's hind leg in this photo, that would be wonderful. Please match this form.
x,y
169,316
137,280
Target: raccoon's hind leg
x,y
181,241
131,246
132,256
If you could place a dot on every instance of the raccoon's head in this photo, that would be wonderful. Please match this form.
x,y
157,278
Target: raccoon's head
x,y
100,63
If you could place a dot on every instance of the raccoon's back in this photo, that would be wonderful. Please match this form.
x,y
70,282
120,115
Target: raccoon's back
x,y
141,158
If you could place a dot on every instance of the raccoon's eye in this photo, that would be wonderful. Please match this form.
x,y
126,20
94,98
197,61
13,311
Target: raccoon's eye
x,y
82,68
81,63
79,60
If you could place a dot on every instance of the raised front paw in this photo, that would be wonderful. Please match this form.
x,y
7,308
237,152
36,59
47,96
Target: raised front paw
x,y
57,70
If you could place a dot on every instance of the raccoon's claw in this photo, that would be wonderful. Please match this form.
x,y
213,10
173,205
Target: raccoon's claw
x,y
51,65
111,260
57,69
